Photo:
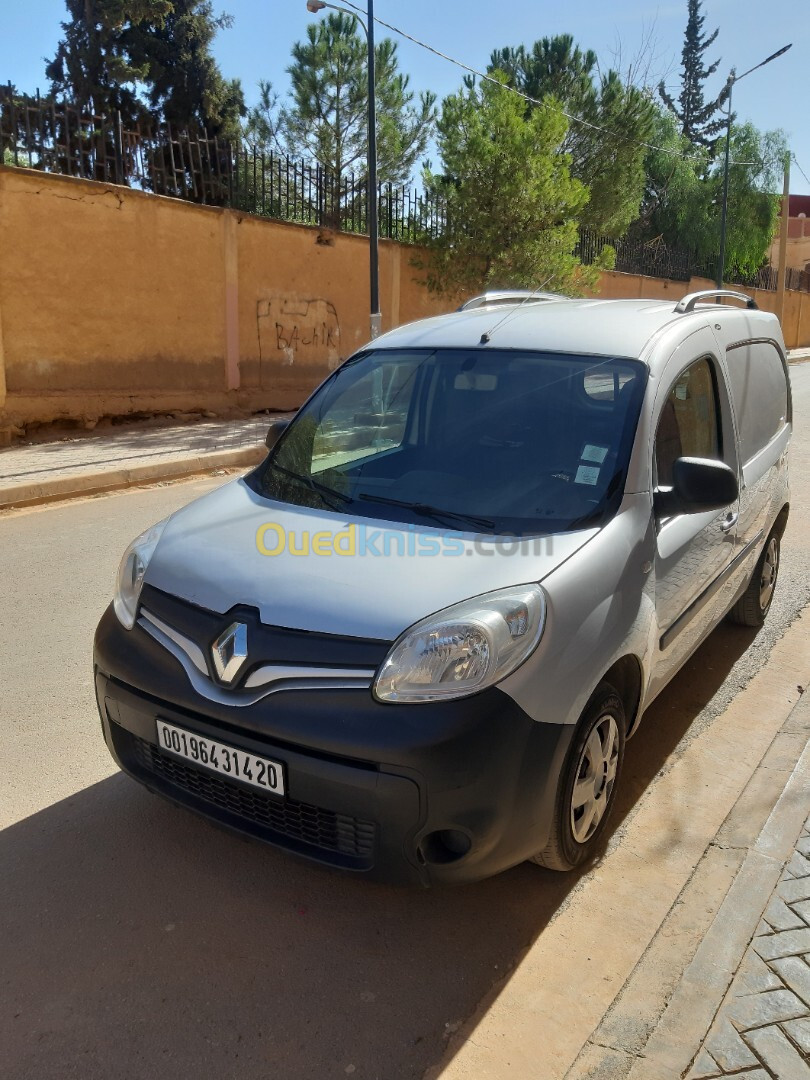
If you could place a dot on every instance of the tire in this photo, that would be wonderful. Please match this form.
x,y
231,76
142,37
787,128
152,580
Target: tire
x,y
590,778
755,603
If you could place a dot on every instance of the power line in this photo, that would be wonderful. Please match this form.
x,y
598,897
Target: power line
x,y
527,97
798,166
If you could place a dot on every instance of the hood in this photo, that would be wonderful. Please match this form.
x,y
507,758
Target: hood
x,y
361,578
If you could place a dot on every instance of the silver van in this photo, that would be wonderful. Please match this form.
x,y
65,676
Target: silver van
x,y
413,641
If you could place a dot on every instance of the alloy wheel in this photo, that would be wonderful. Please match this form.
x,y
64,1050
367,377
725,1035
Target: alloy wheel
x,y
770,568
596,774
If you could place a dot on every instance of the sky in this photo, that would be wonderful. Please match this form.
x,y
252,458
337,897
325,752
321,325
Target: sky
x,y
258,45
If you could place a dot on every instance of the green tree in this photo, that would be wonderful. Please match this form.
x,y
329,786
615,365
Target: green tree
x,y
512,205
696,116
753,206
92,64
605,148
326,118
184,83
261,123
134,56
684,191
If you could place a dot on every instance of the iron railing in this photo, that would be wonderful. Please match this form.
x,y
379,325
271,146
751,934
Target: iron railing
x,y
651,258
39,133
61,137
277,186
654,258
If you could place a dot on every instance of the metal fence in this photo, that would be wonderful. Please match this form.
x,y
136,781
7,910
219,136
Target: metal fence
x,y
39,133
651,258
276,186
654,258
60,137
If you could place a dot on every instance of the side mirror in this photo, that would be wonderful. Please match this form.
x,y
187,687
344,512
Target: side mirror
x,y
698,485
276,430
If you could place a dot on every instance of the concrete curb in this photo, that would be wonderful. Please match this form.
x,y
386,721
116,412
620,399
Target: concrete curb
x,y
539,1020
692,1008
104,480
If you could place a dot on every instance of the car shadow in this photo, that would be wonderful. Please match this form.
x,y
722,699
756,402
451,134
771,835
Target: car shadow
x,y
138,940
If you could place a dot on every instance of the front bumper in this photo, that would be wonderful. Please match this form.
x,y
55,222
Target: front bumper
x,y
372,788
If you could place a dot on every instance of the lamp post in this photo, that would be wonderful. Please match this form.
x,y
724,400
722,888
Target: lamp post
x,y
373,221
721,259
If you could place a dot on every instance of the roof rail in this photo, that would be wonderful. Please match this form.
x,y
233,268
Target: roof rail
x,y
509,296
689,301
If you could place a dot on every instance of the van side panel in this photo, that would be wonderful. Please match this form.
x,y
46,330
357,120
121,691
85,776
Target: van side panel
x,y
761,399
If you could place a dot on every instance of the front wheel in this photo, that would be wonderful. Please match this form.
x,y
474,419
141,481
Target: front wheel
x,y
587,788
755,602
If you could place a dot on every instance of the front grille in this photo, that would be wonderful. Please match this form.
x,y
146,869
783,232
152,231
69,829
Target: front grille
x,y
296,821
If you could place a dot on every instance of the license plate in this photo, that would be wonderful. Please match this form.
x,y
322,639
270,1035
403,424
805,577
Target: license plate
x,y
228,761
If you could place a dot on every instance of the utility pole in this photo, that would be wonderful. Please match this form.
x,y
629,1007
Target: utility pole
x,y
373,216
373,223
781,280
721,260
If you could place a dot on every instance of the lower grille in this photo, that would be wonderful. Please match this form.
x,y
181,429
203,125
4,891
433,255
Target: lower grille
x,y
323,829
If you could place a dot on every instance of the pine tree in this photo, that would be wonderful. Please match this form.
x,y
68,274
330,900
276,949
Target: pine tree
x,y
184,84
92,66
142,56
512,206
606,151
694,113
326,119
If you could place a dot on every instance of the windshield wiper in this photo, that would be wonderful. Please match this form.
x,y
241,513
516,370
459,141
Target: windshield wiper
x,y
434,512
593,517
320,489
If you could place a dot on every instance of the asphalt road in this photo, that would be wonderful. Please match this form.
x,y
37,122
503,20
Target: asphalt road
x,y
139,941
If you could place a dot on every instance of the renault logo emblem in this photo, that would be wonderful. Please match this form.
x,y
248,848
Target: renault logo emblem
x,y
229,652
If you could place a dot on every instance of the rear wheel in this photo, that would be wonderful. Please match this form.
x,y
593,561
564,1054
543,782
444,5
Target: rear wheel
x,y
587,788
755,602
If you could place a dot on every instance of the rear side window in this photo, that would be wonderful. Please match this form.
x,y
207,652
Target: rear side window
x,y
688,426
759,392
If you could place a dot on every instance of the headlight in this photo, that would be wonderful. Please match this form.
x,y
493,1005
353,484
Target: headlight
x,y
464,648
131,573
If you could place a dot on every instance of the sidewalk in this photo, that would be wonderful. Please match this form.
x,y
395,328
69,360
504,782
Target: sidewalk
x,y
87,464
764,1021
629,978
741,1006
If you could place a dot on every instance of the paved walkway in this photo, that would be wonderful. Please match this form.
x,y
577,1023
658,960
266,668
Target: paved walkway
x,y
762,1028
31,472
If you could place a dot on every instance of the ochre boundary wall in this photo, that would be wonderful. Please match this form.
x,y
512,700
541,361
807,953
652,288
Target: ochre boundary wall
x,y
113,301
795,319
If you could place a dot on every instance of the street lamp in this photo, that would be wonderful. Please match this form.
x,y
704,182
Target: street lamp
x,y
373,223
721,260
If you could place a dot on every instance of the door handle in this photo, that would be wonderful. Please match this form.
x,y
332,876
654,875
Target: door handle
x,y
729,521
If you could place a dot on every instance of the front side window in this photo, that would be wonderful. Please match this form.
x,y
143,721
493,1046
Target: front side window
x,y
500,441
688,426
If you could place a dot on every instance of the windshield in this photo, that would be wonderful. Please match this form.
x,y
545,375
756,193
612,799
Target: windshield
x,y
483,440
